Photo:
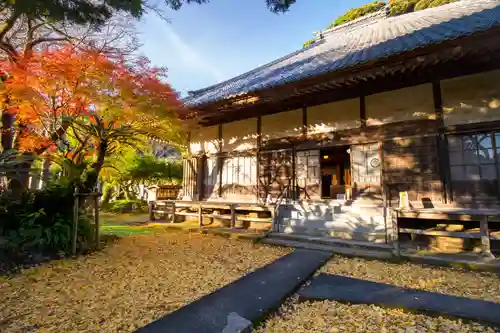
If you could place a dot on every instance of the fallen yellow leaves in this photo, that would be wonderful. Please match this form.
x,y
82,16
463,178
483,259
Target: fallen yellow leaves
x,y
452,281
330,316
127,285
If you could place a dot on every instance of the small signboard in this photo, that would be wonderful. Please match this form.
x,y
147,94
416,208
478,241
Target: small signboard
x,y
404,202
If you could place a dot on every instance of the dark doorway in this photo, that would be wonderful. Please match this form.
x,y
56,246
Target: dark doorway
x,y
335,172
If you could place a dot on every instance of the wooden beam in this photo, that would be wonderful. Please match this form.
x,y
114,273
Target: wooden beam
x,y
469,235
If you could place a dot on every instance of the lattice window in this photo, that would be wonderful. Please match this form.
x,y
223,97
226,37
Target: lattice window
x,y
239,170
474,157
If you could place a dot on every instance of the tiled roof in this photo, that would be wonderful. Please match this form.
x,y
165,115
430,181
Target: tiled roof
x,y
358,43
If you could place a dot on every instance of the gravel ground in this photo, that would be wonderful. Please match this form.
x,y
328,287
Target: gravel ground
x,y
331,316
127,285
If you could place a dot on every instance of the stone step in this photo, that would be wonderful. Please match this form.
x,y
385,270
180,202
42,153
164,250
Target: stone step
x,y
347,251
333,241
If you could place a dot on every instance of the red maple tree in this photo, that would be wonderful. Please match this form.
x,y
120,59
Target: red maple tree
x,y
101,102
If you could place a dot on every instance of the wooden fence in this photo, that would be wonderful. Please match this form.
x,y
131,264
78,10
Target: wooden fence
x,y
485,217
202,210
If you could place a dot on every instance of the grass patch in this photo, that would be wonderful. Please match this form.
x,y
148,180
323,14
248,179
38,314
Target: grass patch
x,y
128,230
121,219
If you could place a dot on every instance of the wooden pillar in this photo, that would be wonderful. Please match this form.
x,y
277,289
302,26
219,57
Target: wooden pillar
x,y
219,162
441,143
233,216
304,122
200,161
362,111
200,215
293,184
259,145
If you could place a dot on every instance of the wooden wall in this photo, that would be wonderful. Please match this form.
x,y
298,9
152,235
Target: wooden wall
x,y
204,139
400,105
282,125
471,99
412,165
239,135
333,116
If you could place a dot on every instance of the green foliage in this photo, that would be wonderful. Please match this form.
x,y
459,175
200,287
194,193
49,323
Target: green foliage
x,y
41,221
399,7
147,168
279,6
85,11
124,173
98,12
355,13
126,206
308,43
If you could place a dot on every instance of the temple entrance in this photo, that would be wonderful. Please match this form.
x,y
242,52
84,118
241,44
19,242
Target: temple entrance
x,y
335,166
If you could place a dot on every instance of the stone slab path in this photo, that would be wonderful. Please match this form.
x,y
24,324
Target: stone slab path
x,y
234,307
346,289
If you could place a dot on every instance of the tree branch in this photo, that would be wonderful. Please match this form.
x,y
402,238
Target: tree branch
x,y
9,24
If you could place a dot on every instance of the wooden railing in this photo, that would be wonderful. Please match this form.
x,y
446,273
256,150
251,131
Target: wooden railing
x,y
205,209
485,217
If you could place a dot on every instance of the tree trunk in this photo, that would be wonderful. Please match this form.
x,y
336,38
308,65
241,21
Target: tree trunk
x,y
107,192
46,172
7,131
93,175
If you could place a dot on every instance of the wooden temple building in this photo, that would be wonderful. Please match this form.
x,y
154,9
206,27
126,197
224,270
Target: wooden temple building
x,y
379,112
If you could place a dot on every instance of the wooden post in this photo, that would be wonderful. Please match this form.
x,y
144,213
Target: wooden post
x,y
387,219
75,222
233,217
173,212
200,215
485,238
151,207
96,221
395,233
274,226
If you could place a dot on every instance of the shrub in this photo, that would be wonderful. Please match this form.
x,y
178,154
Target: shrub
x,y
42,221
126,206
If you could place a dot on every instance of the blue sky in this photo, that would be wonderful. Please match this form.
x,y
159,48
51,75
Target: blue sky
x,y
206,44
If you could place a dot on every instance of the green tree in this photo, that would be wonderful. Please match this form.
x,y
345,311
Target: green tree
x,y
98,12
